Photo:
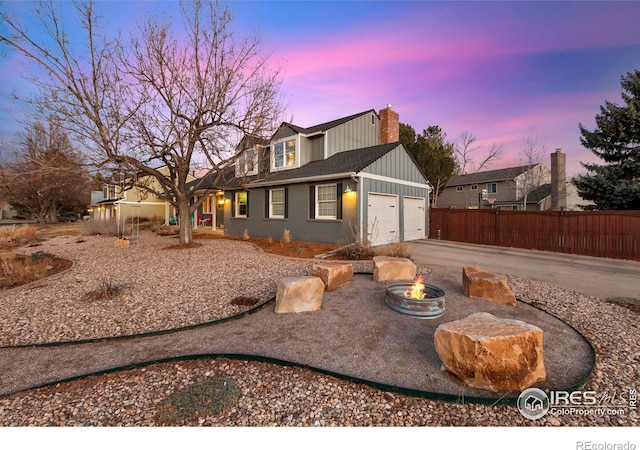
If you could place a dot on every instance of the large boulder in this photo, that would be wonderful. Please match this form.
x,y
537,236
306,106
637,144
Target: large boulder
x,y
492,353
333,276
485,285
387,268
299,294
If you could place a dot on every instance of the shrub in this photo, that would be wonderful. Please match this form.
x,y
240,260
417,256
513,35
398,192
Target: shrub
x,y
29,232
210,397
16,270
286,237
359,250
106,290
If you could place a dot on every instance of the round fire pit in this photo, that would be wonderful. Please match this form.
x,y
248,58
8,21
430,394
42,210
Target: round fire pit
x,y
431,306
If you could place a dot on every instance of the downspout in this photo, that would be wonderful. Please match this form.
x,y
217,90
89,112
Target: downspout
x,y
359,188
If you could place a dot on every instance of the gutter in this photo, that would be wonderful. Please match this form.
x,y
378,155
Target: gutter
x,y
331,176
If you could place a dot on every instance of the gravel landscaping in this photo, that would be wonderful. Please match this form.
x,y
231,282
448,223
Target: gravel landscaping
x,y
168,288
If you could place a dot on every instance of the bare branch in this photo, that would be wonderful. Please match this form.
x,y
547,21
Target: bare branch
x,y
163,98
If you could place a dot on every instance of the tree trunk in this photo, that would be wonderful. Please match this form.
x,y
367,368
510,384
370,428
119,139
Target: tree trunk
x,y
186,228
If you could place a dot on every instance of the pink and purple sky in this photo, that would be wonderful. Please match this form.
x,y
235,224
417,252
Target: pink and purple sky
x,y
500,70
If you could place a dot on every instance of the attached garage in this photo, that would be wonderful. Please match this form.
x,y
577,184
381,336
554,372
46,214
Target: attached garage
x,y
414,218
383,219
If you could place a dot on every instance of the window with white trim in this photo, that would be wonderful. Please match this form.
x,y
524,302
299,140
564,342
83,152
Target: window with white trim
x,y
241,204
283,154
492,188
458,188
326,201
247,162
277,203
474,187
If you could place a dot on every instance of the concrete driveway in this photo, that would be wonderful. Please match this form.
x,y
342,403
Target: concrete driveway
x,y
600,277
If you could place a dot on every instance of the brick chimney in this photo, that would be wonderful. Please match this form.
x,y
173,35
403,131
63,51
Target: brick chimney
x,y
389,125
558,180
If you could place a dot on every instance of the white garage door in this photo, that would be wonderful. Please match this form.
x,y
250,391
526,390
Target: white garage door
x,y
414,218
383,219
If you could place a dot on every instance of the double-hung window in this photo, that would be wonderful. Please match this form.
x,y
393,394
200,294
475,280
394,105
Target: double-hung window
x,y
284,154
326,201
492,188
277,203
240,204
247,163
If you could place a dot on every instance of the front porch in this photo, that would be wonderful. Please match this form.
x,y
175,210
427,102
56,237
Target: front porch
x,y
208,218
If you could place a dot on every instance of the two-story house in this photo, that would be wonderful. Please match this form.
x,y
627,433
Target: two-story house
x,y
530,187
130,199
501,189
336,182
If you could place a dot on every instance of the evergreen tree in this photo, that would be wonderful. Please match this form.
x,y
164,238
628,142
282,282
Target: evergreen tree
x,y
434,156
616,140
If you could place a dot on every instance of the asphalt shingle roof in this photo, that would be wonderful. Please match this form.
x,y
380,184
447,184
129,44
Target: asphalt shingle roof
x,y
342,162
327,125
489,176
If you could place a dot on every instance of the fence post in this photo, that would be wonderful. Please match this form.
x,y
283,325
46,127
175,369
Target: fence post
x,y
497,227
560,239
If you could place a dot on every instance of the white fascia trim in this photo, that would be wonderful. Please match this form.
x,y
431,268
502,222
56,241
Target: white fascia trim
x,y
272,151
140,203
317,133
331,176
372,176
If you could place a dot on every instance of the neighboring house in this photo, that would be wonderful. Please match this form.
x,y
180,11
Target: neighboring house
x,y
332,183
501,189
127,200
7,212
530,187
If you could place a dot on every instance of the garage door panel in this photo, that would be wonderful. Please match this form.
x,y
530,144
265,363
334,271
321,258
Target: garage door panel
x,y
414,215
383,219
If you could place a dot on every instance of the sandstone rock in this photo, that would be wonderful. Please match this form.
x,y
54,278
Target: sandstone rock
x,y
333,275
485,285
492,353
387,268
299,294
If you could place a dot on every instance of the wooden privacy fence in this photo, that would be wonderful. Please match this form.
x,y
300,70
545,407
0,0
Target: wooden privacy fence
x,y
610,234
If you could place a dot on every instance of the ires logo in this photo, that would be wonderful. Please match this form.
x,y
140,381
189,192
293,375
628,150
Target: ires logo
x,y
535,403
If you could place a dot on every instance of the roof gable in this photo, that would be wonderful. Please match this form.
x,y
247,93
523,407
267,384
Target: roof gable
x,y
323,126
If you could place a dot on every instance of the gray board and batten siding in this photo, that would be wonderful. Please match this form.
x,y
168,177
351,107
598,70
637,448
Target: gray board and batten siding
x,y
393,174
360,132
299,221
396,175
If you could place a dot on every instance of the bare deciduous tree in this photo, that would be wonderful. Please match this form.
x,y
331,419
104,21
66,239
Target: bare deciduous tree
x,y
465,154
532,153
44,174
166,97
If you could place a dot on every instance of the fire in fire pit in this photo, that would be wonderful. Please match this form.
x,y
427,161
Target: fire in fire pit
x,y
416,299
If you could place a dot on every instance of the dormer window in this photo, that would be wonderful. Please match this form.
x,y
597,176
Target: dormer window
x,y
284,154
247,162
